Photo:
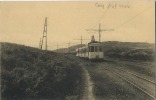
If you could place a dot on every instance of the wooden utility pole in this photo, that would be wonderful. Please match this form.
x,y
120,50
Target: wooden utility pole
x,y
69,43
69,47
40,44
81,40
99,31
57,47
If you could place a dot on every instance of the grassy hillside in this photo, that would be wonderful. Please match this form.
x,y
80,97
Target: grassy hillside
x,y
129,50
71,49
30,73
124,50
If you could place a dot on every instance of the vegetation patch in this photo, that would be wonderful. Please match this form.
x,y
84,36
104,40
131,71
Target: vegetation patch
x,y
30,73
129,50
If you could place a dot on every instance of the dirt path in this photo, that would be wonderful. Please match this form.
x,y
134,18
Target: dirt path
x,y
88,90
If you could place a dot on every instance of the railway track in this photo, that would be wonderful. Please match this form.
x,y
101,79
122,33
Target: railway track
x,y
136,75
125,75
119,73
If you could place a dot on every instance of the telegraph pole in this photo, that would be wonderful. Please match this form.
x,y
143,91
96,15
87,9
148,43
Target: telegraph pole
x,y
44,35
99,31
40,44
81,40
69,43
69,47
46,46
57,47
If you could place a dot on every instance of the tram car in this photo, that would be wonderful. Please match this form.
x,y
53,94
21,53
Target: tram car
x,y
93,51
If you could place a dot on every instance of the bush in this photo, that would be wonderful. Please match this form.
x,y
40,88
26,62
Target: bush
x,y
134,54
32,73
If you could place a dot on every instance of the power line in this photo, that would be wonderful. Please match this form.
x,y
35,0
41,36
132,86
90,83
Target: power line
x,y
102,16
133,17
125,21
100,19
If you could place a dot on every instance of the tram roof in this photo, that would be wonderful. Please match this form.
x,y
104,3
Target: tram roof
x,y
94,42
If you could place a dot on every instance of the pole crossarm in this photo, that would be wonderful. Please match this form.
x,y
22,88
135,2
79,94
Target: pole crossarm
x,y
100,30
80,39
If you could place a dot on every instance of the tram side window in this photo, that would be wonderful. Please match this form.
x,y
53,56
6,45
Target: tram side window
x,y
95,48
85,50
80,51
100,48
91,49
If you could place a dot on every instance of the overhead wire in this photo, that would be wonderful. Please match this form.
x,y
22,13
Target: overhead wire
x,y
122,23
133,17
100,19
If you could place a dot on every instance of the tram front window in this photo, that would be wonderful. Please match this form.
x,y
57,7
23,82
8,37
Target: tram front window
x,y
91,48
95,48
100,49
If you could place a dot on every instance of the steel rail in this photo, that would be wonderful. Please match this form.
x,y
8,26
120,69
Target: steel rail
x,y
137,75
131,83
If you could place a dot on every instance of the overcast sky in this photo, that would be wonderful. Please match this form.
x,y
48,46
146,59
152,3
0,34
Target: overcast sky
x,y
22,22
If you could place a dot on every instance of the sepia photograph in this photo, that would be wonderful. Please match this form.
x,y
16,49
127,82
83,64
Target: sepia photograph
x,y
77,50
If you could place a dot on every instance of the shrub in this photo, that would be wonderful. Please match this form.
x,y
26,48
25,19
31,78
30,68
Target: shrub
x,y
32,73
